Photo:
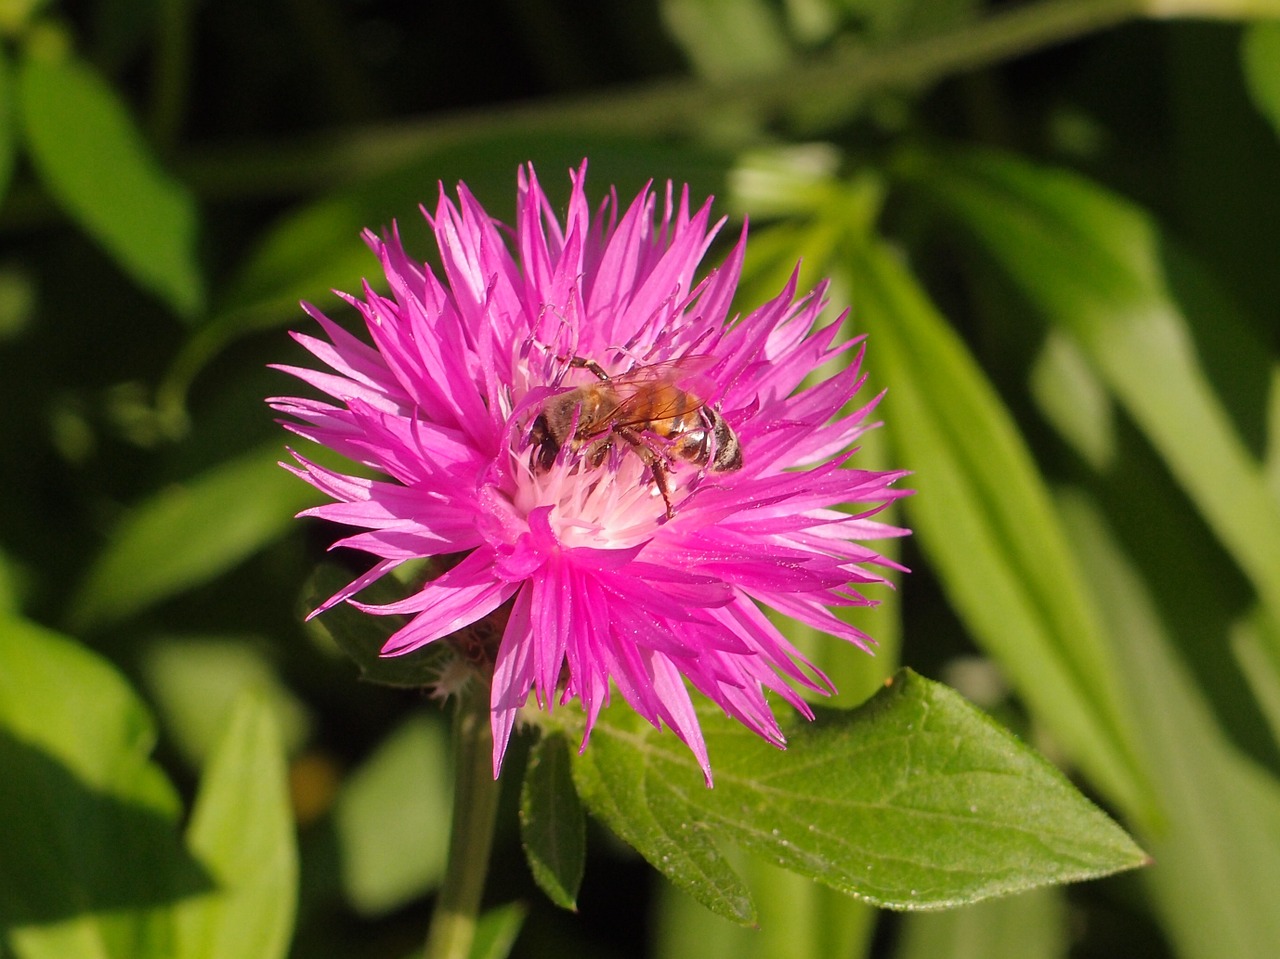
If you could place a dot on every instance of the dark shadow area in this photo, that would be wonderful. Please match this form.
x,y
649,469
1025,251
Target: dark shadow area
x,y
68,849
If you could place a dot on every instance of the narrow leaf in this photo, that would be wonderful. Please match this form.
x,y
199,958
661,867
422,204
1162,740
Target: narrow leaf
x,y
189,534
1258,664
915,800
242,830
1150,324
985,518
552,825
95,164
1218,845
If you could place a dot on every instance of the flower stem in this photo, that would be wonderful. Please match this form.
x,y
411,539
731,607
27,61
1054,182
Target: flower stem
x,y
475,805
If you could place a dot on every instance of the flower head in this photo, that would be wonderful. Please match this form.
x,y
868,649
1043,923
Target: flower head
x,y
614,466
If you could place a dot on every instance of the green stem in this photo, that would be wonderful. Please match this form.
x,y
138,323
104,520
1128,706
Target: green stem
x,y
475,805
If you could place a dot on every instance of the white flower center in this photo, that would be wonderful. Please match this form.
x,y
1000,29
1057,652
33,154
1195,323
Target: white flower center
x,y
604,507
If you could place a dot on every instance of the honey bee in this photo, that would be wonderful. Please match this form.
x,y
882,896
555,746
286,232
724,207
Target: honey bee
x,y
649,408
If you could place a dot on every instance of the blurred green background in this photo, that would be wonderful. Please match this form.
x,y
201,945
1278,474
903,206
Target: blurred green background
x,y
1058,221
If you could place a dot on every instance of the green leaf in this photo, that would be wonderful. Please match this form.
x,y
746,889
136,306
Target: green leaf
x,y
390,819
242,829
189,534
95,164
614,780
552,826
1071,397
362,635
1155,330
1260,55
985,518
915,800
91,843
1218,843
1261,670
497,930
195,680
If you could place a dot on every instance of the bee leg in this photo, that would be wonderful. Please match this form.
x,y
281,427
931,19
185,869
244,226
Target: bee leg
x,y
583,363
657,464
661,479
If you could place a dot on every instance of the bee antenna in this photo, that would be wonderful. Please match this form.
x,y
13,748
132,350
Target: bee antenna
x,y
628,353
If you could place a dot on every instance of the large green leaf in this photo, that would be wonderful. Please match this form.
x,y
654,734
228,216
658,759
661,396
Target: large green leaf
x,y
985,519
1099,269
95,164
242,829
1217,848
1135,310
91,856
188,534
915,800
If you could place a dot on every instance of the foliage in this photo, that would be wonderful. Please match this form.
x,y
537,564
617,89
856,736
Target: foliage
x,y
1057,222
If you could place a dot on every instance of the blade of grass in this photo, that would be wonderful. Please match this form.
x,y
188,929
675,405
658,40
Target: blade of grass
x,y
1098,268
985,519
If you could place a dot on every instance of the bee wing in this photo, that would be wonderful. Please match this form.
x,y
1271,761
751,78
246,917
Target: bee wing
x,y
641,404
660,391
687,373
684,371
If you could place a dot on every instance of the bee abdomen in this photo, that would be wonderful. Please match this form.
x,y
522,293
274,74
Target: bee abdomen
x,y
728,455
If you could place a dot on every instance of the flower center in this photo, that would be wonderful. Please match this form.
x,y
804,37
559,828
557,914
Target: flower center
x,y
610,504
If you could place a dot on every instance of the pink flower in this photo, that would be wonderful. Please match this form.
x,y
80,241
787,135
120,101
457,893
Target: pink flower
x,y
617,465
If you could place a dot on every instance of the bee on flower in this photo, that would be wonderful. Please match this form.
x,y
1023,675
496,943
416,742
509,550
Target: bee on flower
x,y
626,474
647,410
